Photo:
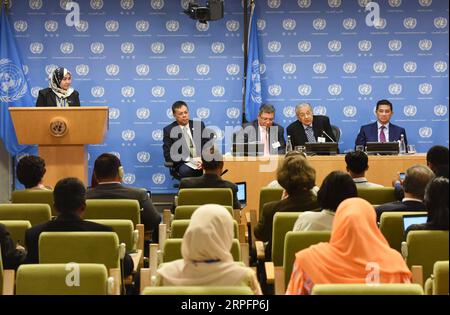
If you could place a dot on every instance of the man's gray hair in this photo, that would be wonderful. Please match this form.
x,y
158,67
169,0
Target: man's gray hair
x,y
297,108
266,108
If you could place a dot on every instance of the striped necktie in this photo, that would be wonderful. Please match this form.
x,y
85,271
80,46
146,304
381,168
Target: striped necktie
x,y
310,134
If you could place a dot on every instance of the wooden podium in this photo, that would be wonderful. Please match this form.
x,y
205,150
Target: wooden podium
x,y
61,134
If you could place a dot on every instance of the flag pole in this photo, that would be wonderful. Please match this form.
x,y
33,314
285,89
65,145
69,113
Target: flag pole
x,y
244,119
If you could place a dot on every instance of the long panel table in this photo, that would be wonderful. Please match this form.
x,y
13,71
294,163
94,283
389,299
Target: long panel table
x,y
260,171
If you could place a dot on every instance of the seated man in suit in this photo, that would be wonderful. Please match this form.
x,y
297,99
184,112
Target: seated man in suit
x,y
381,130
437,160
264,130
416,179
30,172
183,142
357,165
309,127
108,172
70,202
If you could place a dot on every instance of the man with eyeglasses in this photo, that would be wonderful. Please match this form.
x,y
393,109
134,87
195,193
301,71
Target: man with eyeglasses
x,y
309,127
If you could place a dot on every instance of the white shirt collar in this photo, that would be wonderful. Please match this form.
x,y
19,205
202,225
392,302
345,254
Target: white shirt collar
x,y
411,199
103,183
380,124
360,180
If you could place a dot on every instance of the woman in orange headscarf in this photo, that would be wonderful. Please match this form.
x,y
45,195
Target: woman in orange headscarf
x,y
356,253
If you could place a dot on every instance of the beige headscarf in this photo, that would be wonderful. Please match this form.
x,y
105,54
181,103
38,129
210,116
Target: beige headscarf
x,y
206,252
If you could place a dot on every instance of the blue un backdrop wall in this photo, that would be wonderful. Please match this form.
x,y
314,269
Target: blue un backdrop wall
x,y
138,57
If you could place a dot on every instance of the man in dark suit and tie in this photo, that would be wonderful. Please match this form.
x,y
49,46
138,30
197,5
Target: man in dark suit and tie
x,y
309,127
381,130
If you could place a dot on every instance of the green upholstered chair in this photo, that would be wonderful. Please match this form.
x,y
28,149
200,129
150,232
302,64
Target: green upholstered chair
x,y
185,212
34,196
283,222
35,213
127,209
172,250
179,228
364,289
51,279
201,196
124,230
267,194
198,290
377,195
424,248
17,229
437,284
391,225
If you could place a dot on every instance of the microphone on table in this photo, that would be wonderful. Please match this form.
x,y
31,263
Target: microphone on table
x,y
328,136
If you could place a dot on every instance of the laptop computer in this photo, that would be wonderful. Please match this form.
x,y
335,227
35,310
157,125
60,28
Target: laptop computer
x,y
242,193
410,219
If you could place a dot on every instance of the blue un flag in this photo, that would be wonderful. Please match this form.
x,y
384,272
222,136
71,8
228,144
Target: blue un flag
x,y
253,99
13,86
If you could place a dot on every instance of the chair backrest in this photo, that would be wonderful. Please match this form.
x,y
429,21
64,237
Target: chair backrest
x,y
172,250
440,275
391,225
283,222
79,247
424,248
52,279
336,132
185,212
1,272
126,209
17,229
179,228
377,195
201,196
364,289
124,230
267,194
34,196
295,242
198,290
35,213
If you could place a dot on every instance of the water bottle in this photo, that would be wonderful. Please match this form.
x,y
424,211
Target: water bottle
x,y
402,145
289,145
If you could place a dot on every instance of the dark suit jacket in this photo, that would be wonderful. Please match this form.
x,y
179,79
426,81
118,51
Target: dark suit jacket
x,y
66,223
47,98
398,206
150,217
250,133
369,133
11,257
211,181
177,134
319,124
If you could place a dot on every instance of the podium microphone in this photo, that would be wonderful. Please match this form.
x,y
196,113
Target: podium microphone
x,y
328,136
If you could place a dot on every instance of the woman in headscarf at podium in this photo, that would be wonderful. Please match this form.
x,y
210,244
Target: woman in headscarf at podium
x,y
59,93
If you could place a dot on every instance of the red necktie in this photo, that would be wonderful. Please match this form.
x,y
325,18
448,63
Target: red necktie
x,y
382,135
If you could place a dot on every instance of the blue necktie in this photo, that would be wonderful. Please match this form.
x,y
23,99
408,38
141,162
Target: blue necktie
x,y
310,134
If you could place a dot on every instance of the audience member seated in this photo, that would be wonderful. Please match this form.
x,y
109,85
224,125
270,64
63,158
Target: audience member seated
x,y
108,172
12,255
297,177
437,160
335,188
207,260
70,202
30,172
436,202
416,179
357,165
356,253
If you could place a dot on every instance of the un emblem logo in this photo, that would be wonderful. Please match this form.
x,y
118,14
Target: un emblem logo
x,y
232,25
289,24
233,112
381,24
218,91
349,67
425,132
97,91
35,4
410,67
335,89
142,113
365,45
410,23
261,24
262,68
334,3
363,3
112,70
97,48
20,26
82,69
58,127
395,88
304,3
319,24
157,47
172,25
112,26
202,27
158,91
185,4
129,178
425,88
66,48
440,110
334,45
289,111
202,69
233,69
35,91
289,68
349,24
36,48
157,135
188,47
158,178
425,3
188,91
425,44
304,89
96,4
128,135
127,47
50,68
320,110
83,26
63,3
169,113
143,156
113,113
142,70
440,66
172,69
440,22
127,4
395,44
217,47
51,26
304,46
395,3
127,91
142,26
274,46
350,111
273,4
365,89
410,110
274,90
203,112
157,4
12,82
319,68
379,67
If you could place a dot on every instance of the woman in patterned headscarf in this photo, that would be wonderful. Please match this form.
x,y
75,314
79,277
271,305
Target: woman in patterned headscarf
x,y
59,93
